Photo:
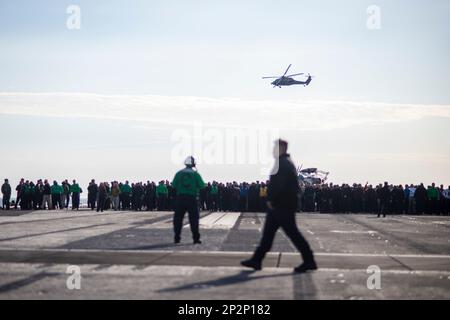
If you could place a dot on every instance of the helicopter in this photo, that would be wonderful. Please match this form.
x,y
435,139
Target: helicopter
x,y
287,80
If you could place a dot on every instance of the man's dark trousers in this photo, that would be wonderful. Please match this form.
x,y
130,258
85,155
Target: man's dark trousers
x,y
186,203
284,219
5,203
75,200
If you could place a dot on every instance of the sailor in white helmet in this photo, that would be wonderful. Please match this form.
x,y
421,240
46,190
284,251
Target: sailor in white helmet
x,y
187,183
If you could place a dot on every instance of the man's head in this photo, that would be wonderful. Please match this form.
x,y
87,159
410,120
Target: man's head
x,y
189,162
6,180
280,148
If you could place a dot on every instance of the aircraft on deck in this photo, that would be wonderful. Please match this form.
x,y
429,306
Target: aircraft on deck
x,y
311,176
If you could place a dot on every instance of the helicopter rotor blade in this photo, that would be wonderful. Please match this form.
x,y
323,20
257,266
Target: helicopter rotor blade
x,y
286,70
270,77
296,74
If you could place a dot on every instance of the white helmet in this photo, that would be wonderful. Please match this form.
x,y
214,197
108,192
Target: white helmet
x,y
190,161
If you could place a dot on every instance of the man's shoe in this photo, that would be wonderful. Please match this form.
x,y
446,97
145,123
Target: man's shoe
x,y
306,266
197,242
251,264
177,240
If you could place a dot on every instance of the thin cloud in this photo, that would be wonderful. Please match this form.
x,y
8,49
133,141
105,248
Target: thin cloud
x,y
185,110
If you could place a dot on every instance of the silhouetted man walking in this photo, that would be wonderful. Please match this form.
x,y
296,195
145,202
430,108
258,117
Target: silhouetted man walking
x,y
385,197
282,197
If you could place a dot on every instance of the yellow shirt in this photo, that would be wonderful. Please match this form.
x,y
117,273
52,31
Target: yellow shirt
x,y
263,192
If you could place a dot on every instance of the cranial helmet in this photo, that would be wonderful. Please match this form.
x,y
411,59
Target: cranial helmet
x,y
190,161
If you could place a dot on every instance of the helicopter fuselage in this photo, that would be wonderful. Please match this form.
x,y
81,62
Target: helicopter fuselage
x,y
287,81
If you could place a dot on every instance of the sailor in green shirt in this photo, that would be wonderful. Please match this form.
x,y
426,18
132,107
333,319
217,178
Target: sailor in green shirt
x,y
75,190
161,194
56,191
32,203
125,190
187,183
214,196
433,197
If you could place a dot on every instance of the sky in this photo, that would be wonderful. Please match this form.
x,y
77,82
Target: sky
x,y
142,84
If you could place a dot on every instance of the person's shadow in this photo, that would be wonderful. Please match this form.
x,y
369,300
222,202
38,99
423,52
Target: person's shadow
x,y
243,276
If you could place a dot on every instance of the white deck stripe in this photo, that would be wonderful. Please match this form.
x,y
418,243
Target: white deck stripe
x,y
354,231
337,254
219,220
227,221
209,220
331,254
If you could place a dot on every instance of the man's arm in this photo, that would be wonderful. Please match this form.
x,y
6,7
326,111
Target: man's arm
x,y
199,181
175,181
276,184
